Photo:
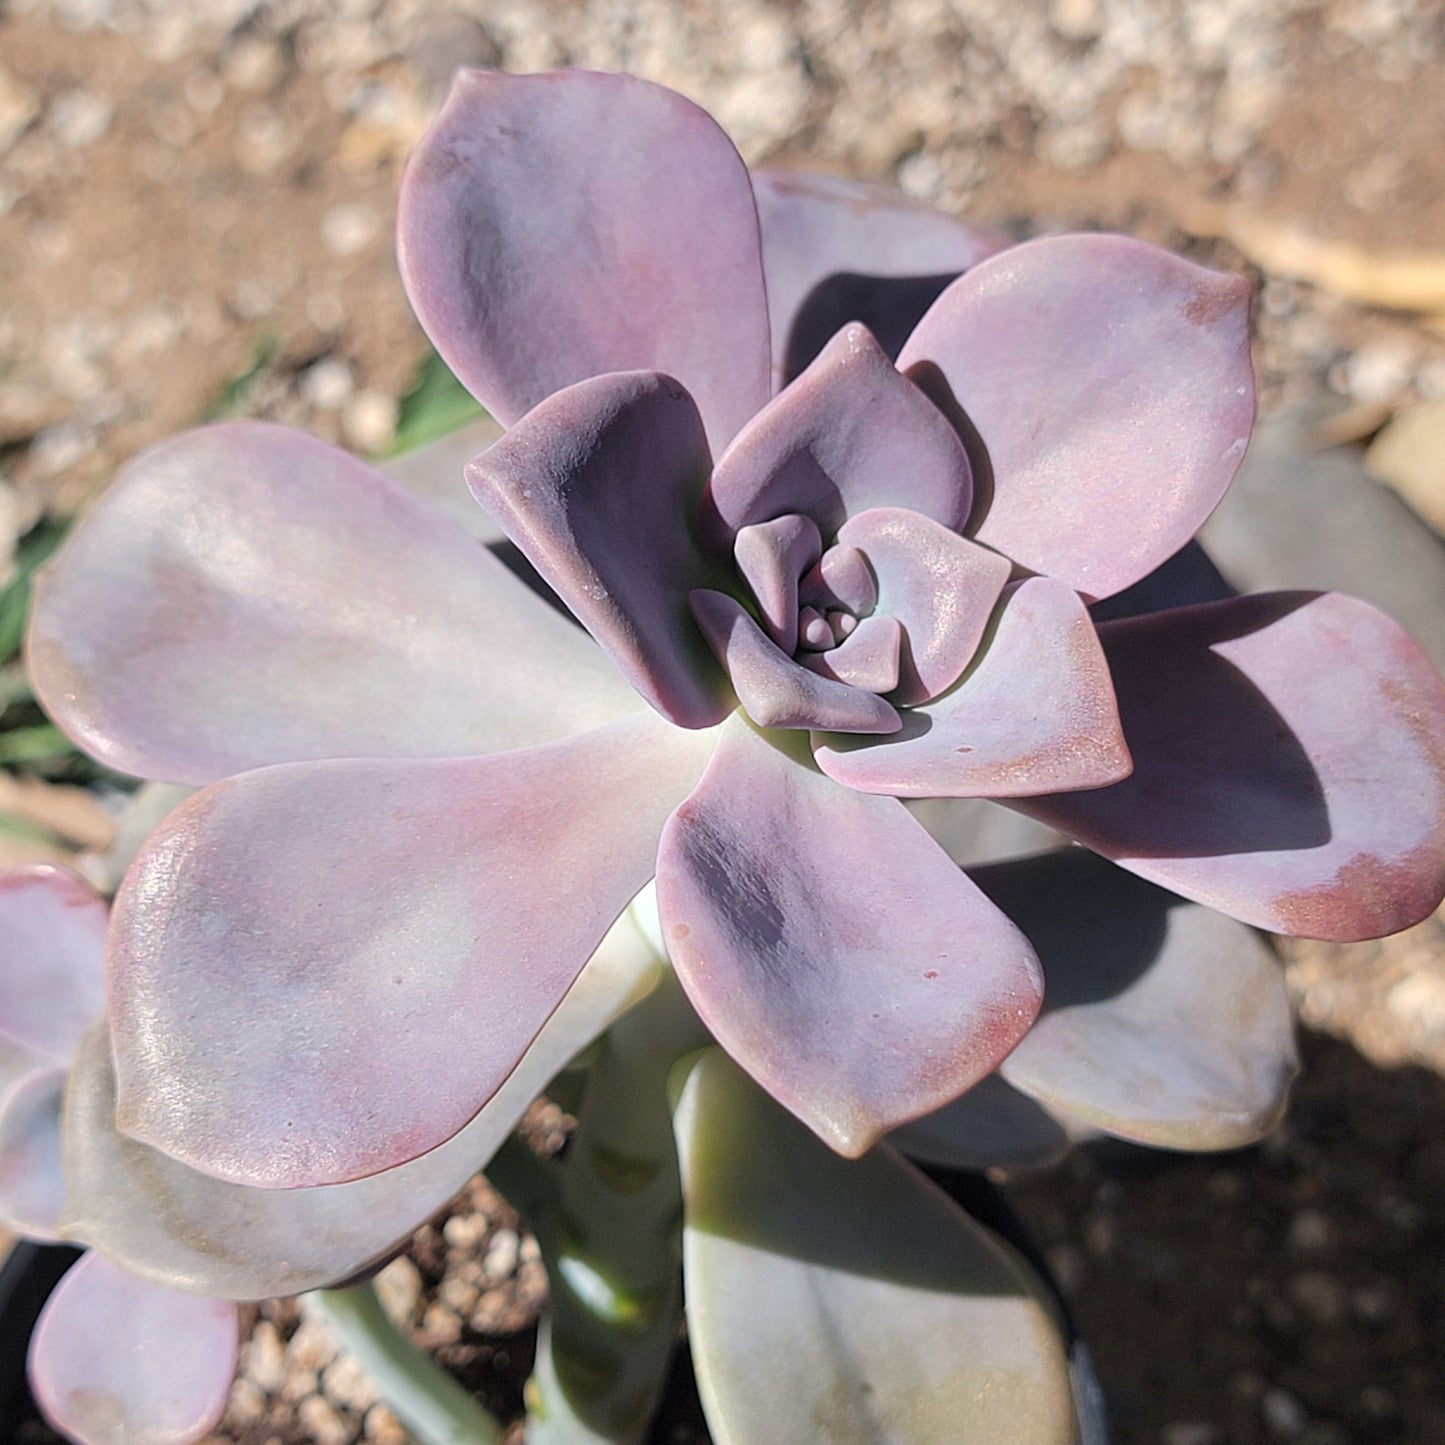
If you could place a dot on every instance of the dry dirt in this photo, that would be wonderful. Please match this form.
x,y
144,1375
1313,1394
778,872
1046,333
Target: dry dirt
x,y
192,192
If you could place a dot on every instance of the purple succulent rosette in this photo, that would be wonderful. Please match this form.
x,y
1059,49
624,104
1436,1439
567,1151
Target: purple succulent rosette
x,y
841,575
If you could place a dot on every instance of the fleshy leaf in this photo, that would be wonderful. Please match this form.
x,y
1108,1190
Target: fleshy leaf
x,y
773,689
851,1302
321,970
556,227
796,911
186,1229
1110,387
598,485
939,586
1289,764
851,433
868,658
32,1179
1035,712
118,1360
247,595
771,557
992,1126
836,251
52,961
1163,1021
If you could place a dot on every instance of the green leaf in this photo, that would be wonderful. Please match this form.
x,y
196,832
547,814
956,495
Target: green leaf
x,y
42,743
849,1300
235,394
436,404
37,544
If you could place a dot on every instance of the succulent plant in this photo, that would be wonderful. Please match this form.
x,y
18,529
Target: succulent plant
x,y
849,528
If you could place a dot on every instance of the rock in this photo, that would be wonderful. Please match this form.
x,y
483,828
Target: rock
x,y
502,1255
1189,1432
1418,1003
1380,371
327,385
1310,1230
399,1288
79,117
1284,1416
264,140
1319,1296
1296,519
1409,455
465,1232
266,1362
345,1383
383,1428
313,1346
19,105
327,1427
349,227
368,420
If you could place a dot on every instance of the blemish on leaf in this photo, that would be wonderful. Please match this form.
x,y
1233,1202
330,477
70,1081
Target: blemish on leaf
x,y
930,973
1208,304
679,932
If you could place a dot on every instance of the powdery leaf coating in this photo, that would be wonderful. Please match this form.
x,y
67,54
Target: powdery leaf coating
x,y
363,950
1163,1022
556,227
939,586
186,1229
851,1302
850,433
773,689
598,485
1035,711
32,1177
1110,386
246,595
95,1359
1289,764
796,912
822,230
52,977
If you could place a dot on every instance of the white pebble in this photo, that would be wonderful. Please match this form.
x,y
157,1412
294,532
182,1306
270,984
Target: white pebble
x,y
80,117
327,384
349,227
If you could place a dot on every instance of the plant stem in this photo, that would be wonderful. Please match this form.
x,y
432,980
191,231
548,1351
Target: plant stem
x,y
612,1241
421,1394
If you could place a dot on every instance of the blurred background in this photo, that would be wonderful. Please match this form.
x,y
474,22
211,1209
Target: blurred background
x,y
196,203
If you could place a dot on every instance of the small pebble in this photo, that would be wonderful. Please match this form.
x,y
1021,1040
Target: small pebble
x,y
1189,1432
1319,1295
465,1232
247,1403
458,1296
383,1428
1310,1230
327,1427
267,1360
348,228
327,385
313,1346
1284,1416
440,1325
80,117
399,1288
346,1384
502,1255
